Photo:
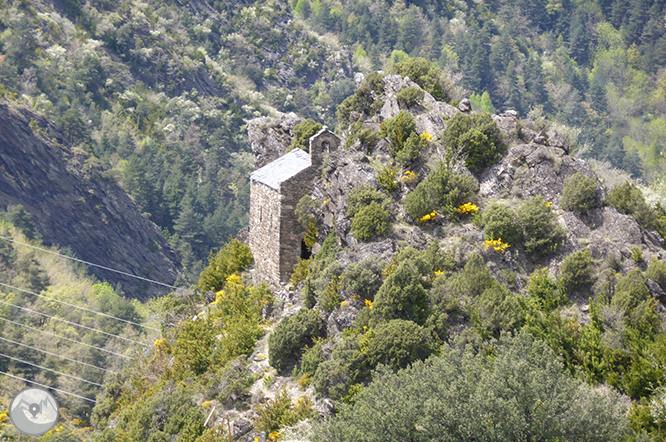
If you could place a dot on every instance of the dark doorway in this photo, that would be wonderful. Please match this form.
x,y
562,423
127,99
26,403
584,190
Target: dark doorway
x,y
305,253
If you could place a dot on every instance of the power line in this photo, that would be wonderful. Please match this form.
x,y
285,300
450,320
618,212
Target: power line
x,y
62,337
78,307
50,388
73,323
54,371
89,263
56,355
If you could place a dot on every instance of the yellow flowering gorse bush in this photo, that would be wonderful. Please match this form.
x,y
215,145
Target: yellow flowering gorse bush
x,y
428,217
468,208
496,244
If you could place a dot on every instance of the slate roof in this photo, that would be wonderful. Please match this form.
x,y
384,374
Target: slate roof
x,y
280,170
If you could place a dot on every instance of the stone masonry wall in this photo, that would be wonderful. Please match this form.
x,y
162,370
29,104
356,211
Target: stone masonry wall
x,y
264,228
291,232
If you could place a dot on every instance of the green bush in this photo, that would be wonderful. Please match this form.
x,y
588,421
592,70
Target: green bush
x,y
577,271
292,335
426,74
543,291
629,200
541,234
398,343
362,101
579,193
311,359
443,190
364,278
372,220
322,267
279,412
500,222
514,389
302,133
496,310
397,130
235,257
367,209
401,296
631,290
411,150
409,97
477,136
656,271
348,365
361,197
386,176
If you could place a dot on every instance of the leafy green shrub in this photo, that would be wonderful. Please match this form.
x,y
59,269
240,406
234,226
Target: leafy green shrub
x,y
579,193
656,271
367,208
398,343
311,359
348,365
22,220
235,257
362,101
364,278
443,190
361,197
500,222
542,290
515,390
387,177
477,136
631,290
541,234
397,130
330,298
496,310
410,151
302,133
426,74
279,412
292,335
409,97
322,268
629,200
300,271
401,296
372,220
577,271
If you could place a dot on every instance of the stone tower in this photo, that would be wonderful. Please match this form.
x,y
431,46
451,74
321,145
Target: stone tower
x,y
275,189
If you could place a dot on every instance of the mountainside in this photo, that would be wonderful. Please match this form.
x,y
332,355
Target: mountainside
x,y
73,204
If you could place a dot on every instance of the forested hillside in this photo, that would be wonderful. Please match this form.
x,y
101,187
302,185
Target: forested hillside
x,y
158,92
471,277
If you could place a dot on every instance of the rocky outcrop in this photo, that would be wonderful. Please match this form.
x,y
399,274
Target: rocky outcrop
x,y
73,205
271,137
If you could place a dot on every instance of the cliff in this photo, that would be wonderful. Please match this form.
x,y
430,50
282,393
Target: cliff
x,y
74,205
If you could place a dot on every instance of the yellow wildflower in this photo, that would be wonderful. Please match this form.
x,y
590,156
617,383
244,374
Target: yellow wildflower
x,y
549,203
468,208
496,244
425,136
233,279
428,217
368,303
438,273
409,176
343,303
325,202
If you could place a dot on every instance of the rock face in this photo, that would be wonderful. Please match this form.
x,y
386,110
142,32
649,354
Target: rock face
x,y
73,206
270,137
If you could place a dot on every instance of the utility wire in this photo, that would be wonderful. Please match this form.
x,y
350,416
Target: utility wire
x,y
73,323
54,371
50,388
78,307
90,263
56,355
62,337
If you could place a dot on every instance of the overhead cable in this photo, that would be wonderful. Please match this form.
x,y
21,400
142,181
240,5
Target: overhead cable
x,y
49,369
73,323
78,307
62,337
56,355
50,388
89,263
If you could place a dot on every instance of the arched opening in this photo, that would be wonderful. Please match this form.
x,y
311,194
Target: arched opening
x,y
305,253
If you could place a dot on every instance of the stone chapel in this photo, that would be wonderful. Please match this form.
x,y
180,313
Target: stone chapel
x,y
275,237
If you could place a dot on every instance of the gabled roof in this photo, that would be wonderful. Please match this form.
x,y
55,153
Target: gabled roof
x,y
280,170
